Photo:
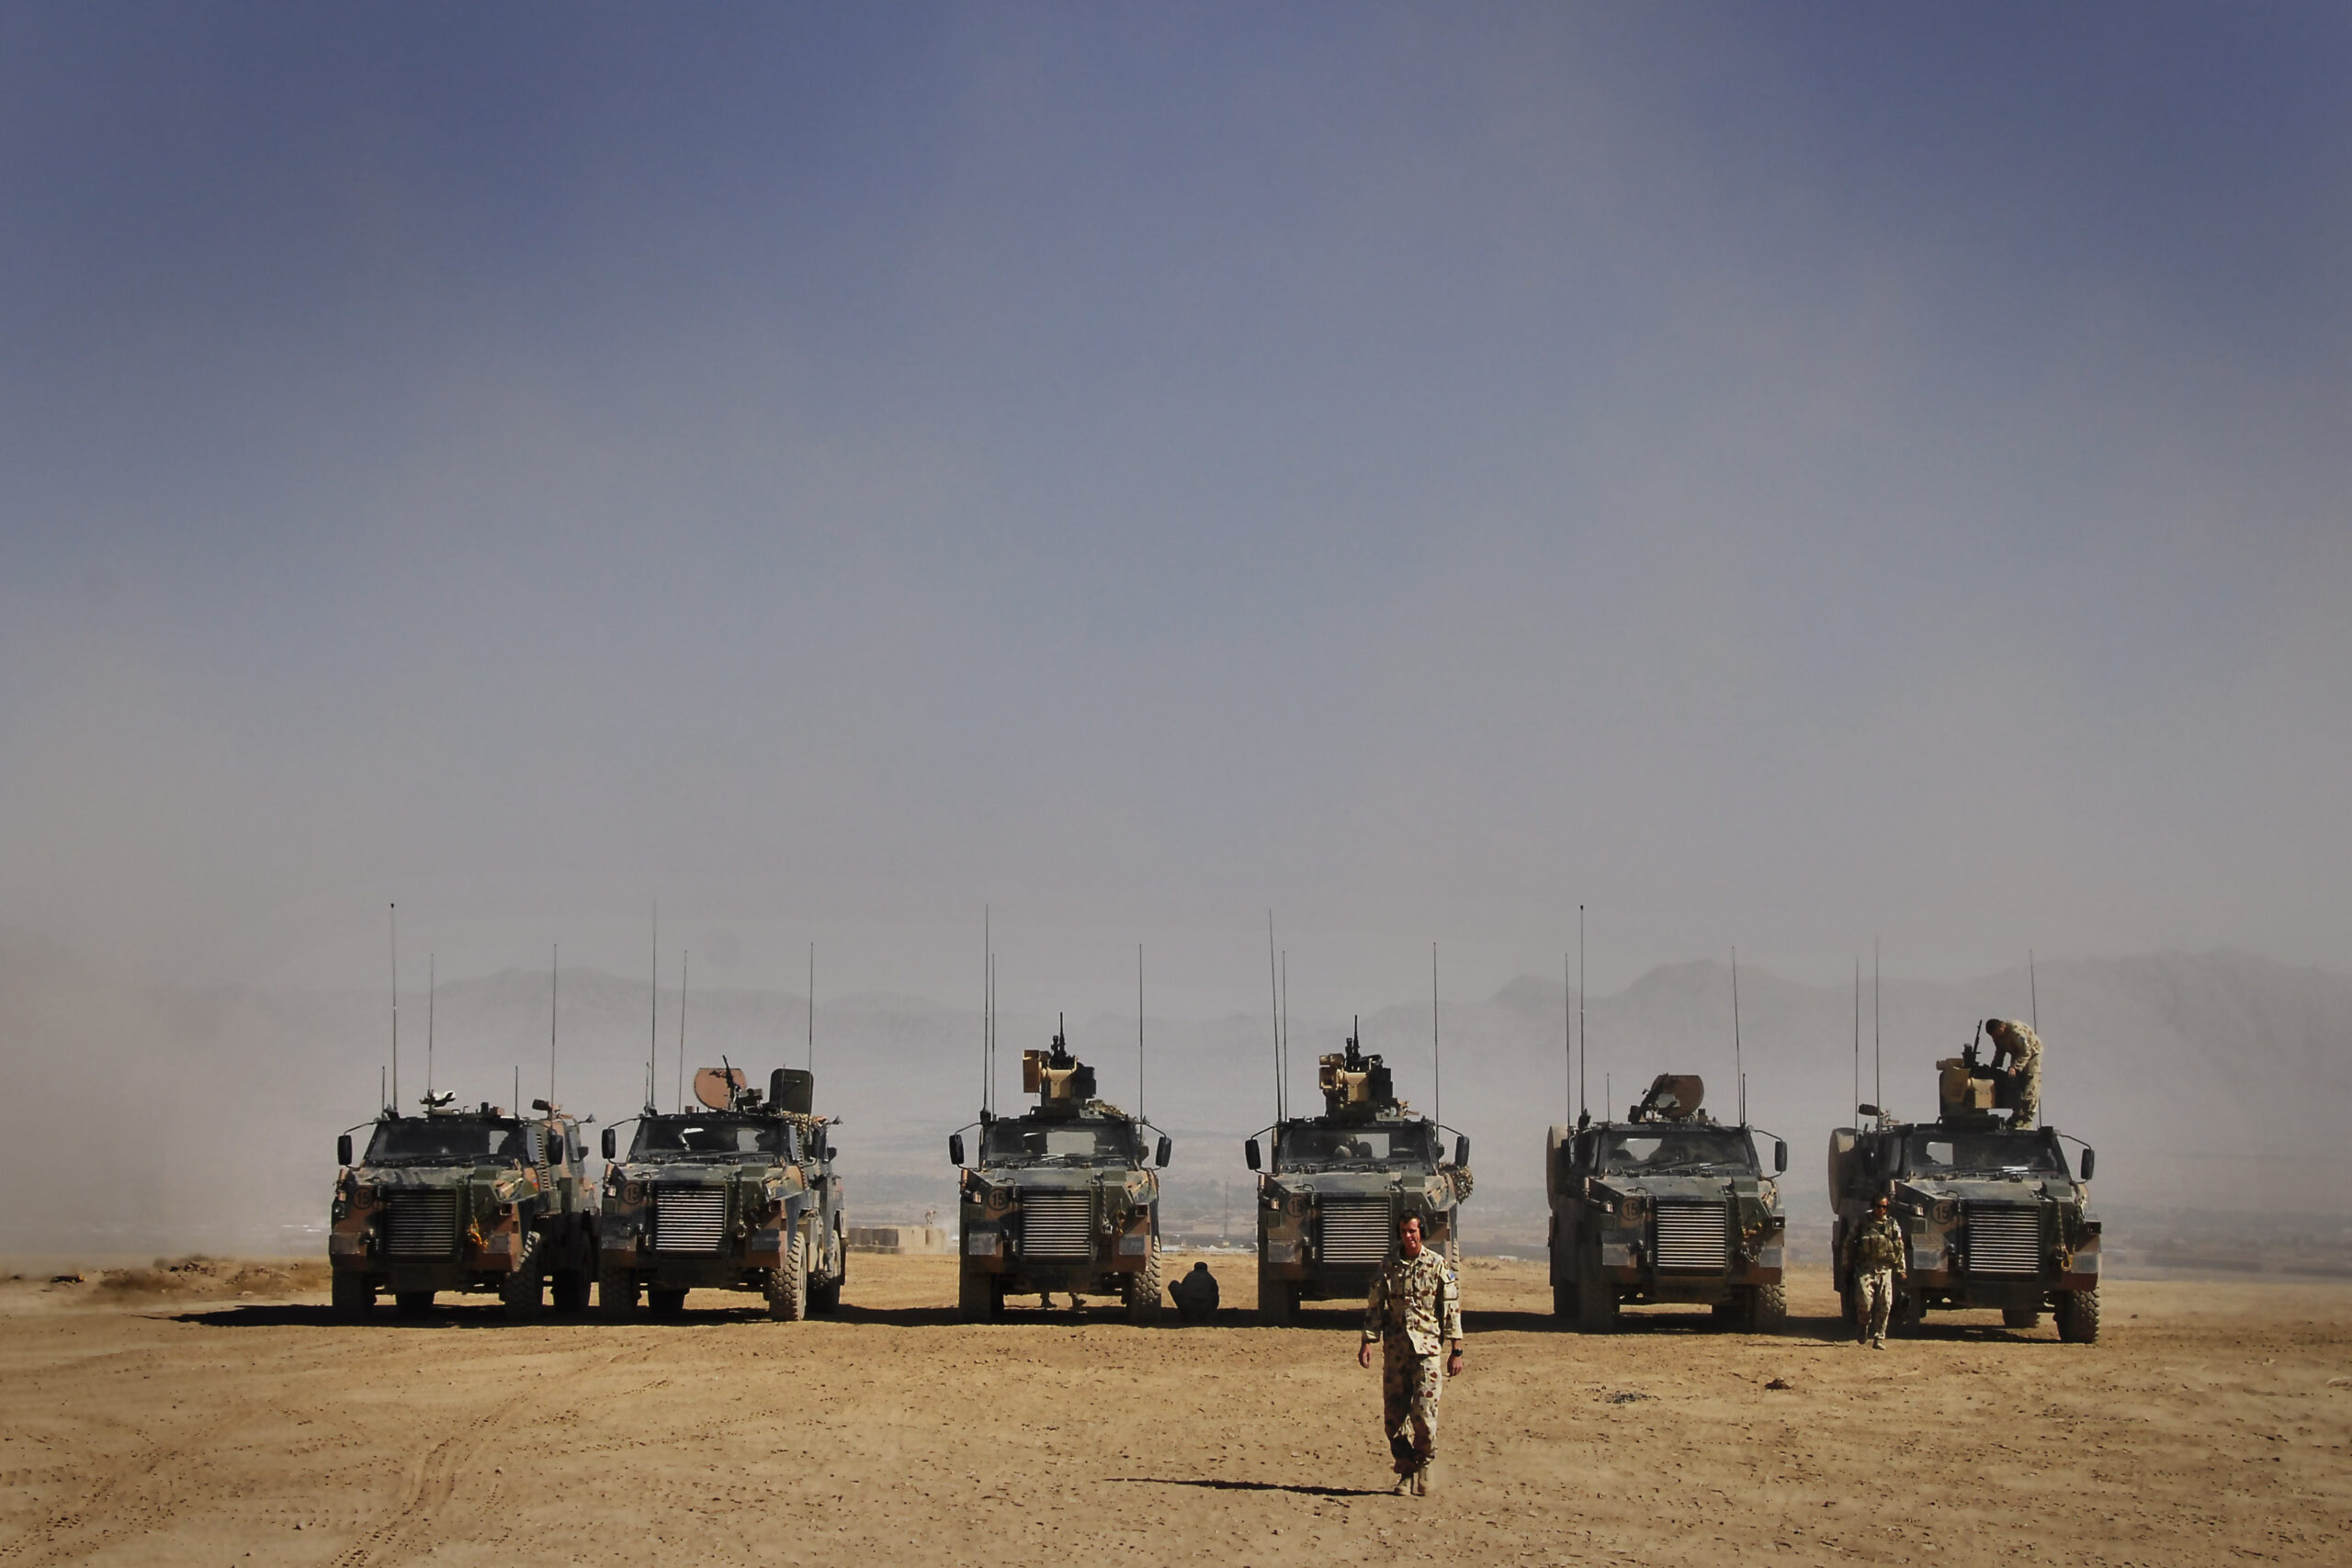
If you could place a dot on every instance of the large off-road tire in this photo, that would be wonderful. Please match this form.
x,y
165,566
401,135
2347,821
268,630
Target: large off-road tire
x,y
976,1296
570,1288
523,1293
1732,1310
666,1304
1596,1306
1908,1316
412,1303
1564,1305
1277,1301
824,1295
616,1294
1143,1289
1768,1309
2020,1317
354,1295
788,1282
1849,1306
2077,1316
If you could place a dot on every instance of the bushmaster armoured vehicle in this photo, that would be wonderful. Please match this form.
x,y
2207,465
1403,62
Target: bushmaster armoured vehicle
x,y
1667,1205
463,1200
1992,1216
741,1195
1340,1184
1060,1198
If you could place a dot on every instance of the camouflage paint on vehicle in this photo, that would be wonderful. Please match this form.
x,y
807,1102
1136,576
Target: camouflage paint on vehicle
x,y
1060,1197
741,1195
1668,1205
1994,1217
463,1200
1340,1184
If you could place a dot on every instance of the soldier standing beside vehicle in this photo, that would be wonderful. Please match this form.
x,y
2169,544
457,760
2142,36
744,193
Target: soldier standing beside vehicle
x,y
1876,1263
2023,1048
1415,1309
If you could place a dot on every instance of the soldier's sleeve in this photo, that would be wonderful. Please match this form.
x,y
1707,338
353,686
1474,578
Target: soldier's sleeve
x,y
1449,1298
1375,1308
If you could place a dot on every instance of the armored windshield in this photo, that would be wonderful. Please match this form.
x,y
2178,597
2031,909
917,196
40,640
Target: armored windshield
x,y
1940,1152
419,1140
1678,1151
1307,1145
709,1136
1040,1142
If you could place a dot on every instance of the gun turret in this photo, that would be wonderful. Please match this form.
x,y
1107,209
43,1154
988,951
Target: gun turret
x,y
1354,1085
1063,1084
1672,1097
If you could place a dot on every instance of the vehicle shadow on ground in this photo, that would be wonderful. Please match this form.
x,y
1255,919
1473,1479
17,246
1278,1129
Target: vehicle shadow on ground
x,y
1208,1484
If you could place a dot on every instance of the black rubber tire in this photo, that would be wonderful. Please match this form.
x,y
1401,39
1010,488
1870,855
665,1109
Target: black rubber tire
x,y
412,1303
1277,1301
1768,1309
1143,1292
1849,1305
824,1296
665,1303
523,1293
2077,1316
2020,1317
788,1284
1908,1317
977,1300
616,1294
1596,1307
1732,1312
354,1296
1564,1305
570,1288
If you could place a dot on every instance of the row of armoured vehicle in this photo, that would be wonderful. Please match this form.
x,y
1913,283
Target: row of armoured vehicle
x,y
738,1194
1668,1205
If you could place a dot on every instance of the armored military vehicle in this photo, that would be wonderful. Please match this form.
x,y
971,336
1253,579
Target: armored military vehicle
x,y
1060,1198
1668,1205
741,1195
463,1200
1994,1217
1340,1184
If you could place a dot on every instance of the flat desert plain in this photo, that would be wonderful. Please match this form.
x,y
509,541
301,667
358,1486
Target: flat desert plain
x,y
2210,1424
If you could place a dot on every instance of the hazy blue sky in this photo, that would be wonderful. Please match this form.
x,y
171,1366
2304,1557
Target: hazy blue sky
x,y
1775,474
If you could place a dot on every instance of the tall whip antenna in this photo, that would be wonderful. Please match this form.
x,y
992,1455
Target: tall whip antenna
x,y
1857,1040
653,1033
432,988
1437,1059
394,1104
1284,1009
988,1004
555,967
684,954
1138,1031
813,1007
1878,1068
2033,991
1738,1071
1275,987
1584,1041
1567,1040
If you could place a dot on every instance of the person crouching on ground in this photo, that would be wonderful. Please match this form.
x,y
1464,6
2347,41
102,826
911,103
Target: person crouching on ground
x,y
1415,1308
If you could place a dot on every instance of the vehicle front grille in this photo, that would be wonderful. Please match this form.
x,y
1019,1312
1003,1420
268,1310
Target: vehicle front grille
x,y
1056,1225
1355,1232
2005,1240
1691,1235
421,1225
689,1219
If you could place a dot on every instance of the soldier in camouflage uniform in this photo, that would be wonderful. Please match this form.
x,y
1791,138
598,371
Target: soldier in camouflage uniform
x,y
2022,1047
1877,1262
1415,1305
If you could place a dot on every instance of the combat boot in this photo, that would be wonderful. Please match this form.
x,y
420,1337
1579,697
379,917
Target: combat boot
x,y
1403,1487
1425,1479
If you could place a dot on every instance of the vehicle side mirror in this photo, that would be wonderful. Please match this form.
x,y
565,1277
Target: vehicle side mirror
x,y
2090,1159
1462,1149
343,1150
1160,1154
1249,1153
612,1143
1780,1155
955,1148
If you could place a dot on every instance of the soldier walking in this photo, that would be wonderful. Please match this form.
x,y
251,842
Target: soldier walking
x,y
1877,1262
2022,1047
1414,1310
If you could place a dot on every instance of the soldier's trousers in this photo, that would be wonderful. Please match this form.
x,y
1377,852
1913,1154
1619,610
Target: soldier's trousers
x,y
1873,1300
2028,1110
1409,1387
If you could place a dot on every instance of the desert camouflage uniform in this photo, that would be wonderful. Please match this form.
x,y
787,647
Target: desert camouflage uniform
x,y
2023,1047
1875,1261
1415,1308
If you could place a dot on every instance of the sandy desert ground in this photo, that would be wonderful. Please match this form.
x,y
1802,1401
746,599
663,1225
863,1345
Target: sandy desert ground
x,y
2211,1424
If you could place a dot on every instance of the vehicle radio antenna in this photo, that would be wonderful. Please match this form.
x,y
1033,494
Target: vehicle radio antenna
x,y
653,1030
1138,1031
1738,1071
1878,1069
1857,1040
555,967
395,1099
1275,987
431,986
1437,1057
812,1009
685,956
1584,1041
1283,1008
